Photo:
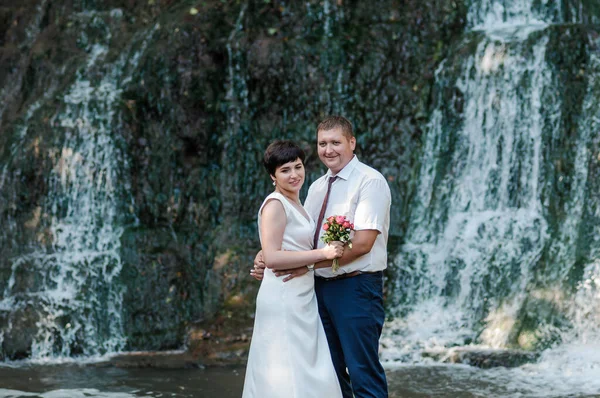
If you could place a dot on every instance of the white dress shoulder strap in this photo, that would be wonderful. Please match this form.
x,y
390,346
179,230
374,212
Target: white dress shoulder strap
x,y
276,196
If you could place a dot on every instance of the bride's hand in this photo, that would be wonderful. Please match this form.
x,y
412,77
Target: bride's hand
x,y
333,250
259,267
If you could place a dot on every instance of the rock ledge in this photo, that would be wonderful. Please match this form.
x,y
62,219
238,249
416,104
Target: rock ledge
x,y
484,358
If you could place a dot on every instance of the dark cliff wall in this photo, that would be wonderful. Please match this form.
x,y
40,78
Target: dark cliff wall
x,y
216,83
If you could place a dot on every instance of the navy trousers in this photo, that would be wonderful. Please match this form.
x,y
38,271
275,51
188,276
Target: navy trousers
x,y
352,313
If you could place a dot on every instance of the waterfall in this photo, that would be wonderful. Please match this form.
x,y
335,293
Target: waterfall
x,y
497,14
477,227
479,223
237,90
578,355
68,286
330,16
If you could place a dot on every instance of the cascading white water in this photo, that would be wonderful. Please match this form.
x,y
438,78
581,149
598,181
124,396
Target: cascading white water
x,y
497,14
69,285
237,91
573,364
478,224
472,251
331,15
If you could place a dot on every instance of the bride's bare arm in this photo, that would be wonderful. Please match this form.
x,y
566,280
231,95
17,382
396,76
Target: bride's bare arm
x,y
273,221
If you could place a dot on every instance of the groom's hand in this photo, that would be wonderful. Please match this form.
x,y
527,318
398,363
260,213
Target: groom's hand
x,y
259,267
292,273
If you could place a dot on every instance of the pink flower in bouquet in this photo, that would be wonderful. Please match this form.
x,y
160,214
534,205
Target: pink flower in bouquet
x,y
337,228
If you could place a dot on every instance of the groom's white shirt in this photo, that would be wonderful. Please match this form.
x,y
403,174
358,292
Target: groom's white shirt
x,y
361,194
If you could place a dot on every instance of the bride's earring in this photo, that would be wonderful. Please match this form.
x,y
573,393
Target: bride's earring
x,y
274,184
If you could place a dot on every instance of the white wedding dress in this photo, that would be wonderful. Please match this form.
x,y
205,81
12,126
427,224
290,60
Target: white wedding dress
x,y
289,356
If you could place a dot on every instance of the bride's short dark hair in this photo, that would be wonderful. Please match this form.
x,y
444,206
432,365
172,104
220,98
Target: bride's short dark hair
x,y
281,152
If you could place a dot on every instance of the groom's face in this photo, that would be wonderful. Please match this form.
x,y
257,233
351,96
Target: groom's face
x,y
335,149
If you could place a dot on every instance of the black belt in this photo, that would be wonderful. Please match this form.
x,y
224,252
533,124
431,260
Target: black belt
x,y
347,275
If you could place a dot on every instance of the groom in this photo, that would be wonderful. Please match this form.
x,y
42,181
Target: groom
x,y
351,299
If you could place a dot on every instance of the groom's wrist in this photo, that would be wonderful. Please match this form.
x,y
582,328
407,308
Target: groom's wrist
x,y
323,264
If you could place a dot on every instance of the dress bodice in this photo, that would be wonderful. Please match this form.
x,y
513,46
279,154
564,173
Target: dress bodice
x,y
298,234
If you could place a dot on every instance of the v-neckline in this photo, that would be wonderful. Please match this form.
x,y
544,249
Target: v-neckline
x,y
307,217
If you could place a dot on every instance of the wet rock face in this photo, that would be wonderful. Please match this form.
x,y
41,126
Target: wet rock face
x,y
19,331
213,85
195,93
483,358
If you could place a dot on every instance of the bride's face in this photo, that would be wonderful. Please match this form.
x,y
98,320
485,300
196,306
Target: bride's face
x,y
289,176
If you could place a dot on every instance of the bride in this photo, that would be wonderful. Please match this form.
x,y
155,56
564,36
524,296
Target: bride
x,y
289,356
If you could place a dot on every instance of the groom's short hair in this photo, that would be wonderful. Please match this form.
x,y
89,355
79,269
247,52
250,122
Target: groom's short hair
x,y
334,121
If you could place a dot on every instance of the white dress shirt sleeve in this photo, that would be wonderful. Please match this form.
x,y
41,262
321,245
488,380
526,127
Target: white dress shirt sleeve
x,y
373,208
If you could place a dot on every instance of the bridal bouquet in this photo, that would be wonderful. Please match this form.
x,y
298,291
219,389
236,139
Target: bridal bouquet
x,y
337,228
